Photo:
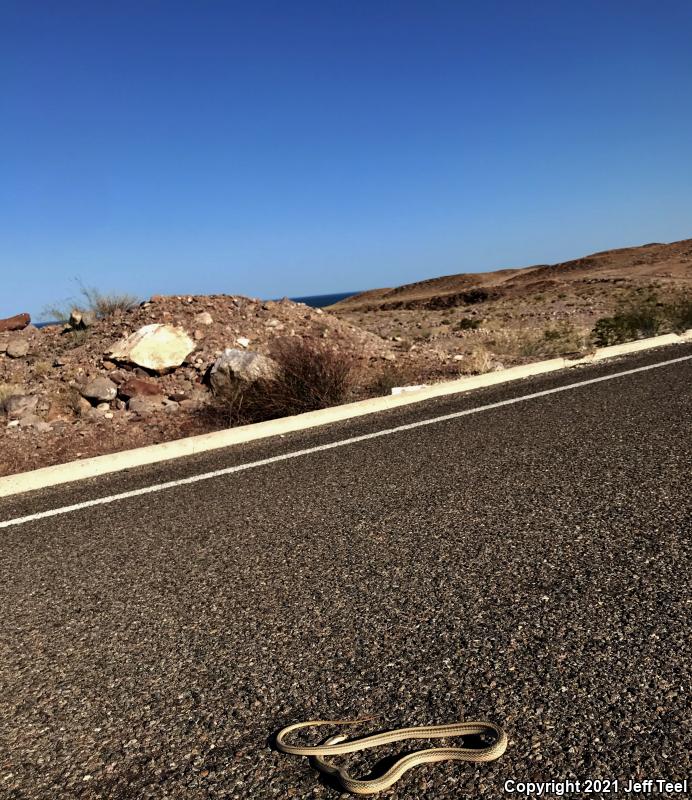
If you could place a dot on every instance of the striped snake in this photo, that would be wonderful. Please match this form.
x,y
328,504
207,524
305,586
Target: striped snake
x,y
337,745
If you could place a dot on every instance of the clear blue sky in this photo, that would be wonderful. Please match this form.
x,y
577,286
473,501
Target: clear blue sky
x,y
301,148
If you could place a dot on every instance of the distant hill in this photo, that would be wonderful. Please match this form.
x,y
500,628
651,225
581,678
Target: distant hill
x,y
664,263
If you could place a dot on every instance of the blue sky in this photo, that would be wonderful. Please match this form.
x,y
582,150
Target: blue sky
x,y
292,148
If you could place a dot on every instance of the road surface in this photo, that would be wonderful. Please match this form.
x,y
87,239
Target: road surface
x,y
527,563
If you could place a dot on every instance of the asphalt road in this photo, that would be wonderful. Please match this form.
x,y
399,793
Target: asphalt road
x,y
527,564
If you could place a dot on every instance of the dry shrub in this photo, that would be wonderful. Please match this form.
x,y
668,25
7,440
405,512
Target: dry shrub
x,y
390,375
104,304
478,362
310,376
561,340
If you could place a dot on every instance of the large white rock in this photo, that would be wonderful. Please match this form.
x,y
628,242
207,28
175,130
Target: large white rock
x,y
156,347
235,369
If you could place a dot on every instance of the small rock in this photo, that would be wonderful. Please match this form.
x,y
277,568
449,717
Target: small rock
x,y
29,420
143,406
17,347
82,406
103,407
100,389
19,405
136,387
80,320
243,341
204,318
198,335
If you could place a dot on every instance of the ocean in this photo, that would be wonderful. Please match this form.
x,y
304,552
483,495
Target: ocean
x,y
321,300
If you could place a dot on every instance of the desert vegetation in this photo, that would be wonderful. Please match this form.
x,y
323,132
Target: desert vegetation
x,y
90,300
308,376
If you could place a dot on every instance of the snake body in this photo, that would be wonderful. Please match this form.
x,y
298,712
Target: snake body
x,y
337,745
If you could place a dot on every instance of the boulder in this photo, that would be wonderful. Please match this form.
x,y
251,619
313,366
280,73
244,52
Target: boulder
x,y
17,347
235,369
100,390
20,405
156,347
136,387
16,323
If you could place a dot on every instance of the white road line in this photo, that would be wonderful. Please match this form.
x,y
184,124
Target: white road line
x,y
205,476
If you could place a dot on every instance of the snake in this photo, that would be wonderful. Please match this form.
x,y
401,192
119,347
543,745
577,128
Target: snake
x,y
339,744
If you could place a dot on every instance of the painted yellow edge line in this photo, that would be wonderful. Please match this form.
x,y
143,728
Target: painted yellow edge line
x,y
166,451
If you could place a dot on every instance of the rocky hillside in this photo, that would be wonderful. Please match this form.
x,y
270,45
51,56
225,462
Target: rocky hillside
x,y
138,377
477,322
667,264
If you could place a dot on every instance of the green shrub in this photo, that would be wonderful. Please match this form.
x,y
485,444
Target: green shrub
x,y
679,314
637,322
467,324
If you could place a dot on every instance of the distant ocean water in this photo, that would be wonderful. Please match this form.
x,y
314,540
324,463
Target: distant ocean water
x,y
321,300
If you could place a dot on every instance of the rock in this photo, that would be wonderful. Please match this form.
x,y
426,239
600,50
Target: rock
x,y
80,320
119,376
198,335
234,369
103,407
157,347
55,412
42,427
16,323
29,420
19,405
243,341
136,387
17,347
100,389
82,406
204,318
143,406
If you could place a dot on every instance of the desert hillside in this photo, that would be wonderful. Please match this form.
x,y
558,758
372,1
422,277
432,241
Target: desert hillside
x,y
120,374
476,322
667,264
